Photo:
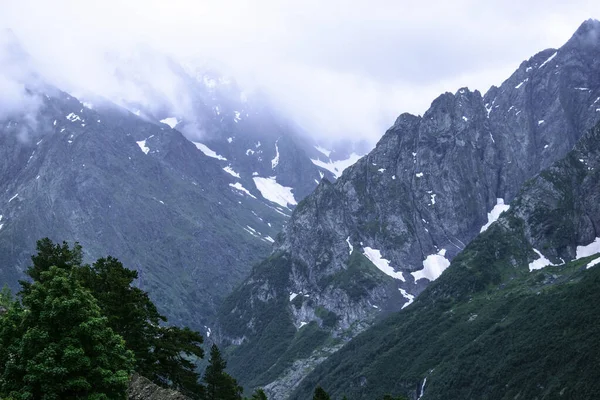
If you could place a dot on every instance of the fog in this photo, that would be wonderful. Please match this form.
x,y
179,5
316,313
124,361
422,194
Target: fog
x,y
339,69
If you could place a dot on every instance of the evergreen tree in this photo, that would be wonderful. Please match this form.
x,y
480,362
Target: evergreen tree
x,y
54,255
163,354
259,394
129,310
219,384
171,364
6,298
320,394
61,346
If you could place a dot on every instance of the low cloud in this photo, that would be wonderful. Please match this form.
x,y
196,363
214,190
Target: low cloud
x,y
340,70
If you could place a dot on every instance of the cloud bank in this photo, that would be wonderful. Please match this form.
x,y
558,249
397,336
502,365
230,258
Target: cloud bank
x,y
339,69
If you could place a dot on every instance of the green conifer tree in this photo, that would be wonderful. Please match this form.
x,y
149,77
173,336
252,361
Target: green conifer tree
x,y
219,384
321,394
63,347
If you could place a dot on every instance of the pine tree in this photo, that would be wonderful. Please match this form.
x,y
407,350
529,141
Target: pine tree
x,y
259,394
129,310
320,394
62,347
6,299
219,384
163,354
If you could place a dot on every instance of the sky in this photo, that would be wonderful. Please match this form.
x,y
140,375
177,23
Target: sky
x,y
340,69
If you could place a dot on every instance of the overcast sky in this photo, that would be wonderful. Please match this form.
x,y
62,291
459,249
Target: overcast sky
x,y
340,68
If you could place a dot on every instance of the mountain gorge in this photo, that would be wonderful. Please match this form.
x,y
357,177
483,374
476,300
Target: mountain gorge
x,y
368,244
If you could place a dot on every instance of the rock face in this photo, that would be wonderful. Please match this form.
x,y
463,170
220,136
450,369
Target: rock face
x,y
189,216
141,388
373,240
505,299
140,192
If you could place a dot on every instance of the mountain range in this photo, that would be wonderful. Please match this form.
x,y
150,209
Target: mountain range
x,y
454,260
368,244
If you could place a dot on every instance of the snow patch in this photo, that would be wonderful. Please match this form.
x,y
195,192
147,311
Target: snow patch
x,y
14,197
275,161
589,249
381,170
293,296
394,177
324,151
540,263
237,117
73,117
590,265
549,59
521,84
249,151
229,139
171,121
407,296
433,199
488,109
381,263
541,121
337,167
208,152
465,118
493,215
419,174
142,144
231,172
302,323
273,191
433,266
238,186
351,248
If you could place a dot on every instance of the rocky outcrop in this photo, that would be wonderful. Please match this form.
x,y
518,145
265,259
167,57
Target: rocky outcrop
x,y
373,240
141,388
509,296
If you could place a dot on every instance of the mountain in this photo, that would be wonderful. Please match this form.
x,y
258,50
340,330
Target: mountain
x,y
512,317
244,130
130,178
368,244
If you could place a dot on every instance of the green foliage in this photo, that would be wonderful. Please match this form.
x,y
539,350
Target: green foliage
x,y
259,394
219,384
57,255
359,277
6,298
163,354
530,335
390,397
60,346
320,394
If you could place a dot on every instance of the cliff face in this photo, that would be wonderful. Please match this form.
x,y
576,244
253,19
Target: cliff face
x,y
526,286
373,240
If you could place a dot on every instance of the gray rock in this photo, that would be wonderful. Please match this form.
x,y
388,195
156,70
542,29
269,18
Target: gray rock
x,y
141,388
